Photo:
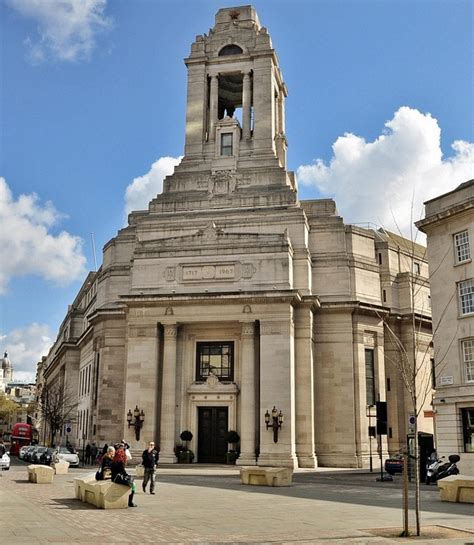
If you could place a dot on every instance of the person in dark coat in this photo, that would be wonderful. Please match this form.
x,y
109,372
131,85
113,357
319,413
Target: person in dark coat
x,y
105,470
94,453
150,460
120,475
88,454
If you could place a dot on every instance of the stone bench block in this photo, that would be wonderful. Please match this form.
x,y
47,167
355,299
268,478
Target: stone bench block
x,y
61,467
457,488
101,494
40,474
266,476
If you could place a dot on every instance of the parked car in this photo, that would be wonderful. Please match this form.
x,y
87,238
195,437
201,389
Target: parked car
x,y
5,462
36,457
22,451
65,454
47,456
28,456
394,464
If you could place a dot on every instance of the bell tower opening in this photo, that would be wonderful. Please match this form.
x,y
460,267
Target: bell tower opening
x,y
235,115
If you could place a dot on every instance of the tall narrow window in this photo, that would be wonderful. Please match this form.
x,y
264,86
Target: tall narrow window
x,y
416,267
370,376
468,358
226,144
468,428
466,296
461,244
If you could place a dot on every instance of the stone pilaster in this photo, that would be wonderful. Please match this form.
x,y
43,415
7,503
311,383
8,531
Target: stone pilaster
x,y
246,105
213,104
304,380
168,402
277,385
247,396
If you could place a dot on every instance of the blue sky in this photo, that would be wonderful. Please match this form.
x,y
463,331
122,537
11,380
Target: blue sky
x,y
93,94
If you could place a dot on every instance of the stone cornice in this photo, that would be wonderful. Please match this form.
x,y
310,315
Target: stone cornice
x,y
354,307
444,215
291,297
117,311
114,270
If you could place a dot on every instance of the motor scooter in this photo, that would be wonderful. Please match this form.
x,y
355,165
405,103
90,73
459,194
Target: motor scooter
x,y
439,469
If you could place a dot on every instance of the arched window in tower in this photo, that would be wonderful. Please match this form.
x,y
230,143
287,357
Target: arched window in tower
x,y
230,49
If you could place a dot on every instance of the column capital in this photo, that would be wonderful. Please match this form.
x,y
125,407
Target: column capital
x,y
248,329
246,73
171,330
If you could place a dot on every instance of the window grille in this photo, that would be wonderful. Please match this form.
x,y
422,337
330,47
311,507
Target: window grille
x,y
226,144
468,357
466,296
461,243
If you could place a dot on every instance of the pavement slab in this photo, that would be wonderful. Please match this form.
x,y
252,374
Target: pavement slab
x,y
209,505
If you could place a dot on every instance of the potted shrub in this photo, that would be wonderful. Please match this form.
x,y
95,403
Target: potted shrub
x,y
184,455
232,438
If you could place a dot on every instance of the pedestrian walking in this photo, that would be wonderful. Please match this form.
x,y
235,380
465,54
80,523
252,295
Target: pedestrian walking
x,y
94,453
120,475
88,454
150,458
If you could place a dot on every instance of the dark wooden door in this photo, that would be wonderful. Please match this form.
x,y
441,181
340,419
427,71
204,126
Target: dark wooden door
x,y
212,427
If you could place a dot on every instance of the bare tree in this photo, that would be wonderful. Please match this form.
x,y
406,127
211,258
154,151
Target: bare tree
x,y
57,407
412,350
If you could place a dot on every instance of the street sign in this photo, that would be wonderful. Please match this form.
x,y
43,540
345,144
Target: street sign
x,y
68,427
411,422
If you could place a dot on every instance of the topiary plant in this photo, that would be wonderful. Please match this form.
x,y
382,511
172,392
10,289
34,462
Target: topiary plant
x,y
232,437
186,436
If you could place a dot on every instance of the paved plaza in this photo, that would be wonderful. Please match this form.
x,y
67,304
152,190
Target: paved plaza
x,y
209,505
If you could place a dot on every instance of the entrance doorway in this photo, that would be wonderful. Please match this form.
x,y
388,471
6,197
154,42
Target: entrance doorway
x,y
212,427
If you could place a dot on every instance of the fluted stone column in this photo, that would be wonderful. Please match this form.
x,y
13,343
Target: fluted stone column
x,y
213,104
246,105
247,396
168,396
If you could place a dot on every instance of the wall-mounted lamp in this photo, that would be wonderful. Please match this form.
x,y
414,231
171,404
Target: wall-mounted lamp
x,y
274,421
138,417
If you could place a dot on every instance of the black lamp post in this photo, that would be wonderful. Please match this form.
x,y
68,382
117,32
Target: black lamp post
x,y
137,418
274,421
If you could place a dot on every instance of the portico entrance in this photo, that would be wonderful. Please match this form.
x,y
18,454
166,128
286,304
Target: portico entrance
x,y
212,427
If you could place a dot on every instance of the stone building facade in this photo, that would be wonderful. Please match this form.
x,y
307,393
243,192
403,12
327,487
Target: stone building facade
x,y
449,225
229,296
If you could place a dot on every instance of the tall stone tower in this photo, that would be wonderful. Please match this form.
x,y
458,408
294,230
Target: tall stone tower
x,y
235,144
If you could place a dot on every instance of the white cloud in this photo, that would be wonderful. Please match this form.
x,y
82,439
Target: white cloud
x,y
26,245
144,188
66,28
372,180
25,346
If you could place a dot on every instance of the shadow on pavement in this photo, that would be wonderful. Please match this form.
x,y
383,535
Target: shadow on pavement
x,y
359,489
73,504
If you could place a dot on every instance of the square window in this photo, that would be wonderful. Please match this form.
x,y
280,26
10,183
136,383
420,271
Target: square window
x,y
461,244
416,268
216,358
226,144
466,296
468,359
